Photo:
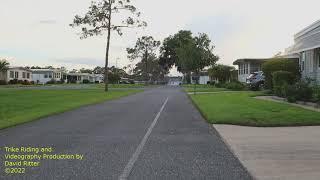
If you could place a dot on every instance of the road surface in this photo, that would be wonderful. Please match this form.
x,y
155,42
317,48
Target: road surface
x,y
156,134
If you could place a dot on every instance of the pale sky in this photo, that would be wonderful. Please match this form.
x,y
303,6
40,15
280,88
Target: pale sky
x,y
36,32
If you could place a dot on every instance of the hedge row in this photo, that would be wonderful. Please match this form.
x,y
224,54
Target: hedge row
x,y
288,65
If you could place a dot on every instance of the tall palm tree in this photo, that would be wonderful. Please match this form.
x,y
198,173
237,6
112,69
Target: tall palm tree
x,y
4,65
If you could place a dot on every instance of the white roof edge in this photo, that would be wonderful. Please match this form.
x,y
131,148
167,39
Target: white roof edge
x,y
307,29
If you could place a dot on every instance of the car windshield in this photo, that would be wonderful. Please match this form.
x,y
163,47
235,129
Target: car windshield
x,y
252,75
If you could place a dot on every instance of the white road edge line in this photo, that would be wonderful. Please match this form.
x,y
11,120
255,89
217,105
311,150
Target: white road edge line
x,y
127,170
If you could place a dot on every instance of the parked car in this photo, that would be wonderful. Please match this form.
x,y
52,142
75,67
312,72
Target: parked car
x,y
255,80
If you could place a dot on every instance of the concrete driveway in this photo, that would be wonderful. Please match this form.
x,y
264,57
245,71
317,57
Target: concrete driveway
x,y
285,153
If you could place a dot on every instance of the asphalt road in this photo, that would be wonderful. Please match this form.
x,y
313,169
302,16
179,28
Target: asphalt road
x,y
157,134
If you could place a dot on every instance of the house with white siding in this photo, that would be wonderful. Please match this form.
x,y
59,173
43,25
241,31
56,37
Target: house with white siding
x,y
17,73
82,77
43,76
307,48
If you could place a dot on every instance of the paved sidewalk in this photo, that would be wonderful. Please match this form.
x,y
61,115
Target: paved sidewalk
x,y
276,153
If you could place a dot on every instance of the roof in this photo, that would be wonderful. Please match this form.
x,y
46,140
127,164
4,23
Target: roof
x,y
306,39
45,70
258,60
19,67
307,29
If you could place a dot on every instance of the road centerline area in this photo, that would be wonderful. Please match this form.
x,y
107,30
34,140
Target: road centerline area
x,y
135,156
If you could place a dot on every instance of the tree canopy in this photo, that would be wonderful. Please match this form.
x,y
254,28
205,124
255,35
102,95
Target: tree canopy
x,y
188,53
222,73
144,50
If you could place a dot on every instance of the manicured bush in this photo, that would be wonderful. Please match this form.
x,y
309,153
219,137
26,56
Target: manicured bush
x,y
271,66
26,82
301,91
85,81
13,81
235,86
280,78
220,85
52,81
316,94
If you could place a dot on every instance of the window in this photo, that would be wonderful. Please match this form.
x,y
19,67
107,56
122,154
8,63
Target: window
x,y
246,69
16,75
50,75
23,74
28,75
46,75
11,74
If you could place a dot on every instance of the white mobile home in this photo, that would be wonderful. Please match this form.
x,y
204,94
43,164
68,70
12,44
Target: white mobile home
x,y
307,48
18,73
43,76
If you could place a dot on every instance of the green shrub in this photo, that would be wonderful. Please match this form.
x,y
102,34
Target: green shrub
x,y
85,81
316,94
235,86
291,93
26,82
279,78
212,83
271,66
301,91
220,85
52,81
14,81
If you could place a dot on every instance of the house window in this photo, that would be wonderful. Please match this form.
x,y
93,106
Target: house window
x,y
23,74
45,75
246,69
16,75
50,75
11,74
28,75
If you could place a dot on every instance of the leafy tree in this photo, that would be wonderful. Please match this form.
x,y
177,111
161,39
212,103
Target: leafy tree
x,y
100,19
144,49
168,50
222,73
188,53
156,71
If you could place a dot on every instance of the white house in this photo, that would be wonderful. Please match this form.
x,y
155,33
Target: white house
x,y
203,78
307,48
42,76
17,73
174,80
248,66
81,77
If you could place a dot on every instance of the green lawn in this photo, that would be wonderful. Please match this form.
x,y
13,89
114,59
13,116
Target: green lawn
x,y
213,89
201,88
240,108
19,106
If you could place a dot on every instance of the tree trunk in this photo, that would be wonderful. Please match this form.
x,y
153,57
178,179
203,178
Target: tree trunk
x,y
106,81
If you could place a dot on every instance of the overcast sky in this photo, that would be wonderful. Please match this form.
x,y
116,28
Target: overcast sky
x,y
36,32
